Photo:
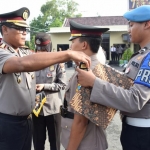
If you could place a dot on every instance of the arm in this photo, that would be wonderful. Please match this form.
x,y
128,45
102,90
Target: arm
x,y
108,94
77,131
60,83
39,61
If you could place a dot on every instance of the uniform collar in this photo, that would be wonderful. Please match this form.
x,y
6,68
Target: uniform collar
x,y
146,47
93,57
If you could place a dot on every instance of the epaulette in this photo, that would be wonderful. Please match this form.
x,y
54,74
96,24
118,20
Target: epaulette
x,y
6,47
3,45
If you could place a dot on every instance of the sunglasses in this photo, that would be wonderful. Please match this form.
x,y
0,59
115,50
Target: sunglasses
x,y
21,29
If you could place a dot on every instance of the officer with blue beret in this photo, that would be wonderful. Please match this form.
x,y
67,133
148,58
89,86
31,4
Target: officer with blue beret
x,y
17,79
134,104
139,14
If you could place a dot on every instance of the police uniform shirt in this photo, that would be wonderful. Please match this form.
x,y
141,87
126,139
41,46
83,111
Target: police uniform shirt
x,y
135,101
54,80
15,98
93,133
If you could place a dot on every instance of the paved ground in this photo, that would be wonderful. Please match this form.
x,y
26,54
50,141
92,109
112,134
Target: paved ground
x,y
113,131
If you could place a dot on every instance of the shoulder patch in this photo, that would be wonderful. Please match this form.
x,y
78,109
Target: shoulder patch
x,y
143,75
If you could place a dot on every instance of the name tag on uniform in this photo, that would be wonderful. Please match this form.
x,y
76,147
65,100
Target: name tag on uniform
x,y
135,64
143,76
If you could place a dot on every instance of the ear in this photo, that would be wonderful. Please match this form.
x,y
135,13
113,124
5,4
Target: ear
x,y
4,30
85,45
147,25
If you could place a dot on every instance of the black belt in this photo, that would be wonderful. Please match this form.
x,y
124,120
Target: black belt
x,y
14,118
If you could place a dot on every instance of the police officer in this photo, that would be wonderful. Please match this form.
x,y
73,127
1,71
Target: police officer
x,y
134,103
51,80
17,81
77,131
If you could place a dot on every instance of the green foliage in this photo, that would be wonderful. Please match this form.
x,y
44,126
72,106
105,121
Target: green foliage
x,y
53,14
127,54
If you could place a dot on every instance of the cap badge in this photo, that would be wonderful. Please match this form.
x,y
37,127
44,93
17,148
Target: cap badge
x,y
25,15
38,41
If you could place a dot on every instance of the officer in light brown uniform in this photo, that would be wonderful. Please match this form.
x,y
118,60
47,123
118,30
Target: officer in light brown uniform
x,y
135,102
77,132
17,81
51,80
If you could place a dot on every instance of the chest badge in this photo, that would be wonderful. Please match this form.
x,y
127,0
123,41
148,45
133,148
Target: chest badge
x,y
49,75
127,70
51,68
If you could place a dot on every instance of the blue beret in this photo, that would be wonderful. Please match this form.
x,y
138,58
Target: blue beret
x,y
139,14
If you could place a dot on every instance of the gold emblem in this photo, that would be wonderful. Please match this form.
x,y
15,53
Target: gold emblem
x,y
51,68
139,57
38,41
32,76
18,80
25,15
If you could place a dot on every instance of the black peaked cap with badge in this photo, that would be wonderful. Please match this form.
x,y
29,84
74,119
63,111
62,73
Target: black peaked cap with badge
x,y
43,41
80,30
17,17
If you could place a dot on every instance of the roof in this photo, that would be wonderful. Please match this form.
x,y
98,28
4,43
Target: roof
x,y
98,21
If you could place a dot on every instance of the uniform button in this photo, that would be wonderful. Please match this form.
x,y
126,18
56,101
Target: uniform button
x,y
18,80
66,126
32,76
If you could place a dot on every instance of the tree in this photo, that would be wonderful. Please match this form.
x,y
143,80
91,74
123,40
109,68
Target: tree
x,y
52,14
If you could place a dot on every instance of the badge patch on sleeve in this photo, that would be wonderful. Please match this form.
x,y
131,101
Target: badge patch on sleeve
x,y
143,76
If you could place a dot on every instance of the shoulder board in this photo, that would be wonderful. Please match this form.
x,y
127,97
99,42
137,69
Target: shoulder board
x,y
6,47
3,46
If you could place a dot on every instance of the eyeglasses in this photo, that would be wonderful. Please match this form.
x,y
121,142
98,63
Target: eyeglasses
x,y
20,29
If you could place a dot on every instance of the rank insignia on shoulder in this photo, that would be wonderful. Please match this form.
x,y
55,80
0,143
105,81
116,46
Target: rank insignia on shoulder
x,y
127,70
51,68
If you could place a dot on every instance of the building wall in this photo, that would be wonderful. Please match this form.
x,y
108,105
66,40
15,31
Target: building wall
x,y
116,38
63,38
60,38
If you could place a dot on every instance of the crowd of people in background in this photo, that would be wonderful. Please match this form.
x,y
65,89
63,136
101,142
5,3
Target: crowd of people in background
x,y
117,52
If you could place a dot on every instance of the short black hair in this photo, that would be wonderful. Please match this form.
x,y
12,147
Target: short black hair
x,y
93,42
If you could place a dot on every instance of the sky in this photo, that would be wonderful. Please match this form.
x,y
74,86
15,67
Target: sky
x,y
88,8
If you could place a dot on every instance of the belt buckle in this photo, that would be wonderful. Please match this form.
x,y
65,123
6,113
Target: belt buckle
x,y
29,116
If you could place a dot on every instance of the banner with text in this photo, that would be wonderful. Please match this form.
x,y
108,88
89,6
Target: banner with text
x,y
136,3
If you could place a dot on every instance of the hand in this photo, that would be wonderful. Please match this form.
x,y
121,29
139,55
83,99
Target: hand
x,y
86,78
39,87
78,57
